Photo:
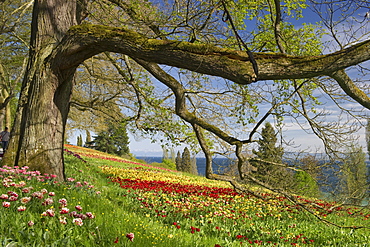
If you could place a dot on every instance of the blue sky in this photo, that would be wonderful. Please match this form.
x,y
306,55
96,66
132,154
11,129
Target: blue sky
x,y
292,131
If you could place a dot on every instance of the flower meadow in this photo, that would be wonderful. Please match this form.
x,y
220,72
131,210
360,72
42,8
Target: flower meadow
x,y
111,201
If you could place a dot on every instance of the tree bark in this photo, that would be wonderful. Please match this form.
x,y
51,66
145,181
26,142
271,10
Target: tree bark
x,y
37,134
86,40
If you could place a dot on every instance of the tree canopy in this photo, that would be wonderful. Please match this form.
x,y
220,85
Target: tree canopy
x,y
208,73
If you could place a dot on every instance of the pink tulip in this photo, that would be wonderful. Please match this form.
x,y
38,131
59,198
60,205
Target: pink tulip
x,y
64,211
130,236
78,221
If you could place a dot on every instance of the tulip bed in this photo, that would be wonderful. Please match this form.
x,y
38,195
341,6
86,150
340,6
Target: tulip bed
x,y
222,213
111,201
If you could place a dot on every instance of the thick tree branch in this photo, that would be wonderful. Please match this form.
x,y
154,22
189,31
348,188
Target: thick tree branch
x,y
84,41
350,88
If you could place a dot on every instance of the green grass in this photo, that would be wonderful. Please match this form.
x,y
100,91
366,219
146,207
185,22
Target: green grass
x,y
161,208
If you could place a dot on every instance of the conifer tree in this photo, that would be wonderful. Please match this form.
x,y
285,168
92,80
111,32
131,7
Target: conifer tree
x,y
268,151
178,161
88,138
186,160
79,140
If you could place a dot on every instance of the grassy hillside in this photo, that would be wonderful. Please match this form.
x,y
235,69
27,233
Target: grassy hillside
x,y
110,201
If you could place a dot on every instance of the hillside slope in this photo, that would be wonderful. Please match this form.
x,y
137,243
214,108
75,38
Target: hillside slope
x,y
111,201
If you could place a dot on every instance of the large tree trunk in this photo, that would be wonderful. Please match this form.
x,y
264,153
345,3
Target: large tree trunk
x,y
37,134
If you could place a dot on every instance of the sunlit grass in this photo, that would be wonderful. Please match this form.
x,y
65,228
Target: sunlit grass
x,y
110,201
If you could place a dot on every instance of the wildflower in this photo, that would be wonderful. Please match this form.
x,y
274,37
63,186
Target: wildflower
x,y
82,216
78,207
78,221
27,190
12,193
21,184
73,214
25,200
4,196
38,194
30,223
6,204
64,211
49,212
21,208
63,220
90,215
130,236
13,198
63,201
48,201
193,229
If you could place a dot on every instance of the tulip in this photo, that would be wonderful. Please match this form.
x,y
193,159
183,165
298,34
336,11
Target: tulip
x,y
130,236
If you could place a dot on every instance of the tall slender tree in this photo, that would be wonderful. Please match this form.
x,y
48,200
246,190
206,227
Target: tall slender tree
x,y
79,141
88,138
178,161
186,160
267,150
